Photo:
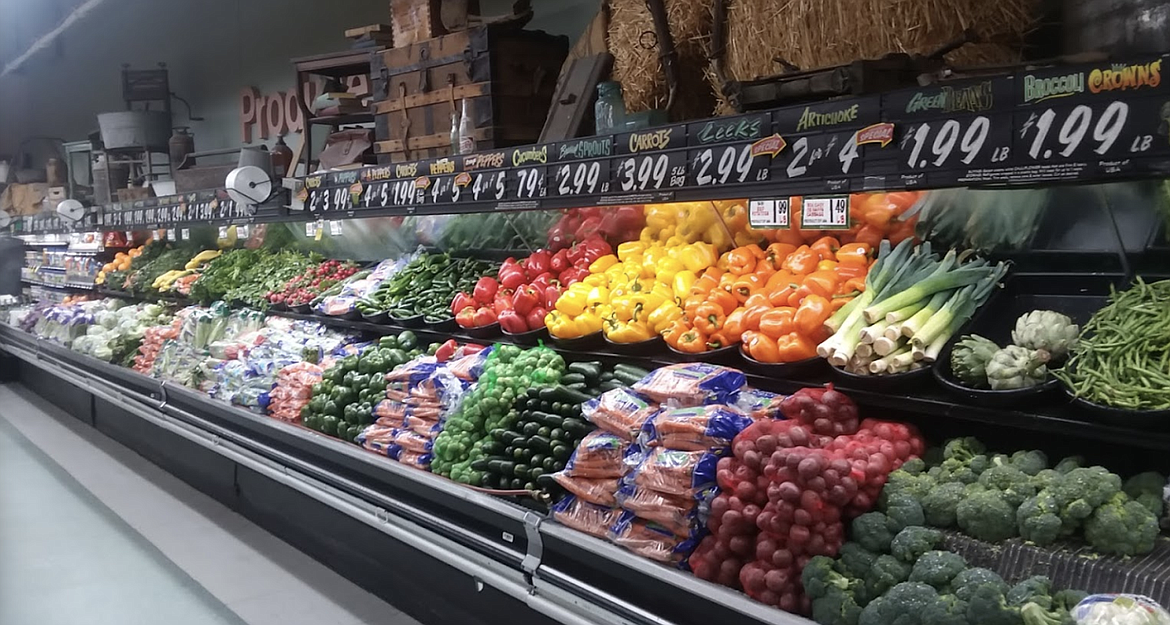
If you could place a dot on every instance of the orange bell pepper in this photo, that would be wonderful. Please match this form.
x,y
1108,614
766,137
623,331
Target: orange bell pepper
x,y
846,273
759,298
812,314
854,254
779,280
717,340
780,296
692,342
851,285
762,348
870,235
741,260
709,318
733,327
778,322
802,261
838,301
826,247
724,300
826,265
902,231
691,304
675,332
776,253
823,283
795,347
745,286
709,280
752,315
879,217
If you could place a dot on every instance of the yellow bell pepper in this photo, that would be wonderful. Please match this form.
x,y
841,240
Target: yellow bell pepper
x,y
666,269
597,295
603,263
623,307
682,283
718,236
572,302
698,256
587,323
615,270
561,325
648,234
596,279
630,248
664,315
746,237
627,331
659,216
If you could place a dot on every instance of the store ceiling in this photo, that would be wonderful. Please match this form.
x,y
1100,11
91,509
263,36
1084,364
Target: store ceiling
x,y
29,27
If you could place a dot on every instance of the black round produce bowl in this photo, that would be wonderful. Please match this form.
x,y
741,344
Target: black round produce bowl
x,y
648,347
987,397
801,368
589,341
881,383
417,321
530,337
378,317
301,309
446,325
723,356
1122,417
484,332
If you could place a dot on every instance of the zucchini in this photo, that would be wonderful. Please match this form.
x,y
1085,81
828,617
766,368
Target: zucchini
x,y
572,378
590,369
606,376
539,444
536,472
495,465
530,428
550,462
517,484
576,427
544,431
579,387
563,395
537,460
506,468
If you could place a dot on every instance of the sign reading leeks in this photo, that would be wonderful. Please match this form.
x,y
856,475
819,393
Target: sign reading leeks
x,y
1073,123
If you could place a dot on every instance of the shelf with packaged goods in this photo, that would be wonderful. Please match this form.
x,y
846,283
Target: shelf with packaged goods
x,y
477,521
54,285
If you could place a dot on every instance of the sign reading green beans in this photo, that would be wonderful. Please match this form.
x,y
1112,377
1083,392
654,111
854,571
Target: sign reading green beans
x,y
1122,359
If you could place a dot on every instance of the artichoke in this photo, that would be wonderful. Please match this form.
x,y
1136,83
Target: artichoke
x,y
969,359
1015,367
1047,330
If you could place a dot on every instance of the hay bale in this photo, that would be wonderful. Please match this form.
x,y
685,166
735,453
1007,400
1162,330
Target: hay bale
x,y
819,33
634,46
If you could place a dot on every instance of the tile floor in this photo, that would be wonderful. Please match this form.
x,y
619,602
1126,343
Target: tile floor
x,y
93,534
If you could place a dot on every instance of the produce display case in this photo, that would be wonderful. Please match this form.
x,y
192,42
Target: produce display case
x,y
725,185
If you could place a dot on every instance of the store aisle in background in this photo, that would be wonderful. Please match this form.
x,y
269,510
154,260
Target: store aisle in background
x,y
93,534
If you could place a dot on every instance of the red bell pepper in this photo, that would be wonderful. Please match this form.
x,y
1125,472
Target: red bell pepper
x,y
502,301
535,318
542,281
484,317
446,350
594,247
461,301
559,262
526,298
485,290
552,292
513,322
466,317
511,274
573,275
591,226
537,262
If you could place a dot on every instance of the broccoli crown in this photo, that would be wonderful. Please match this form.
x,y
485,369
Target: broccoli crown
x,y
1030,462
967,582
1069,463
886,573
963,448
905,604
948,610
1036,589
1146,489
1035,614
910,543
979,463
1038,519
938,507
819,577
836,607
854,561
955,470
987,606
914,466
903,482
1068,598
1122,526
904,511
1015,485
987,516
1045,478
938,568
873,530
1081,490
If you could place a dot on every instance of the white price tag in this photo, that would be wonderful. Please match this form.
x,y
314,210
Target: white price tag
x,y
310,228
154,235
129,236
171,234
825,213
243,231
185,234
223,232
770,213
335,228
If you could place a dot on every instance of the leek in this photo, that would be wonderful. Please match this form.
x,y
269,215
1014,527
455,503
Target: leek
x,y
885,346
931,308
900,359
894,331
874,332
940,280
864,351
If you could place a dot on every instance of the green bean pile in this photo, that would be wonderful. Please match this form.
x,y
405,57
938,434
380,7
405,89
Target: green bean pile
x,y
1122,358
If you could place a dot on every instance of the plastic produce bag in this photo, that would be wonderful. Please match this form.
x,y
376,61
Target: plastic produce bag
x,y
599,455
597,491
620,411
679,473
691,384
1119,609
697,428
684,516
585,517
650,540
757,403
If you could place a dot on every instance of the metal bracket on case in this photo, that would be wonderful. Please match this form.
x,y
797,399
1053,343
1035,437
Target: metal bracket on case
x,y
531,559
162,395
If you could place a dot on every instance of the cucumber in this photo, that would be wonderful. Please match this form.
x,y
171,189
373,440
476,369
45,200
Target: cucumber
x,y
626,377
606,376
563,394
580,387
537,460
548,420
536,472
631,369
480,465
612,385
510,438
530,428
492,448
539,444
572,378
547,482
506,468
590,369
495,465
544,431
498,434
550,463
576,427
558,434
516,484
521,471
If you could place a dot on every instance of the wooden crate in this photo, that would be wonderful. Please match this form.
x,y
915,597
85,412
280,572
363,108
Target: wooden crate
x,y
507,75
